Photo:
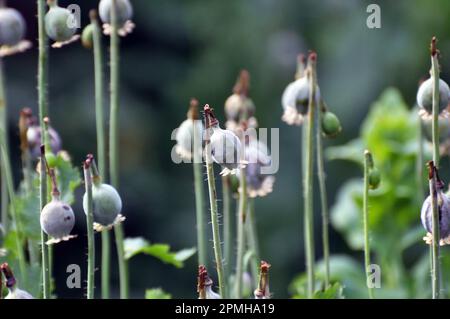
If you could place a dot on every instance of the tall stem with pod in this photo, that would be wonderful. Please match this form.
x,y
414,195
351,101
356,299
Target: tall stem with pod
x,y
90,228
308,175
371,181
213,203
43,110
4,132
114,142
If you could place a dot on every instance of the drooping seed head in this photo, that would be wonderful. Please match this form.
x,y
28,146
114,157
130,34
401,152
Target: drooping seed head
x,y
444,215
107,204
185,133
57,220
331,126
14,292
124,11
295,101
425,95
12,27
259,183
60,23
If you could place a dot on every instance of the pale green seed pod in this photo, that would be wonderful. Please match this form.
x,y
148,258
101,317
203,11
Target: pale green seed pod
x,y
425,95
374,178
124,11
107,204
59,24
57,219
331,126
87,36
12,27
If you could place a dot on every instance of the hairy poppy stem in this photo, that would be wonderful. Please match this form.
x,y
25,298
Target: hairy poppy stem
x,y
368,165
90,230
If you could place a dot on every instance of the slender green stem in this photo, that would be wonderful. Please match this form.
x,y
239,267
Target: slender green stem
x,y
241,233
435,278
367,166
323,198
114,144
199,195
4,130
420,163
253,243
214,219
227,223
6,165
101,145
90,231
43,109
308,176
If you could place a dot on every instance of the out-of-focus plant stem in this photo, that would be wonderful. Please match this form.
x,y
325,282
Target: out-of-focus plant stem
x,y
114,143
4,132
323,198
227,222
368,165
253,241
308,176
43,110
241,233
90,230
435,273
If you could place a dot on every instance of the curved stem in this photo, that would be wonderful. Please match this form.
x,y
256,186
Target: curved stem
x,y
367,167
43,109
241,233
323,199
308,182
90,232
114,144
435,276
214,219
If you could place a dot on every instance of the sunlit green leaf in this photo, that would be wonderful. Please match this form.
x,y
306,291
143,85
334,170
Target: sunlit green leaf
x,y
157,293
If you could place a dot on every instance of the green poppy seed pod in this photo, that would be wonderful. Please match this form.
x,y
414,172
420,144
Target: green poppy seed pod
x,y
87,36
295,101
374,178
124,11
107,204
331,126
12,27
57,220
425,95
59,24
426,215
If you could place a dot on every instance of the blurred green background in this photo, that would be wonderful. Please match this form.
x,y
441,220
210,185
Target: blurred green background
x,y
184,49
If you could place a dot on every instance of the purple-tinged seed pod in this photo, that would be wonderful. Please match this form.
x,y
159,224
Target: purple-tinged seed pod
x,y
34,140
124,11
59,23
185,133
12,27
57,220
444,215
425,95
257,157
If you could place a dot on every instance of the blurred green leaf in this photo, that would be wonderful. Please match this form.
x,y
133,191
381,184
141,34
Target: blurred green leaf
x,y
157,293
68,177
139,245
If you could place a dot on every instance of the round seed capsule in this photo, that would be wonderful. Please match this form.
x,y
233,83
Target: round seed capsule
x,y
59,24
425,95
444,215
239,107
331,126
107,204
57,219
374,178
87,36
12,27
124,11
17,293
